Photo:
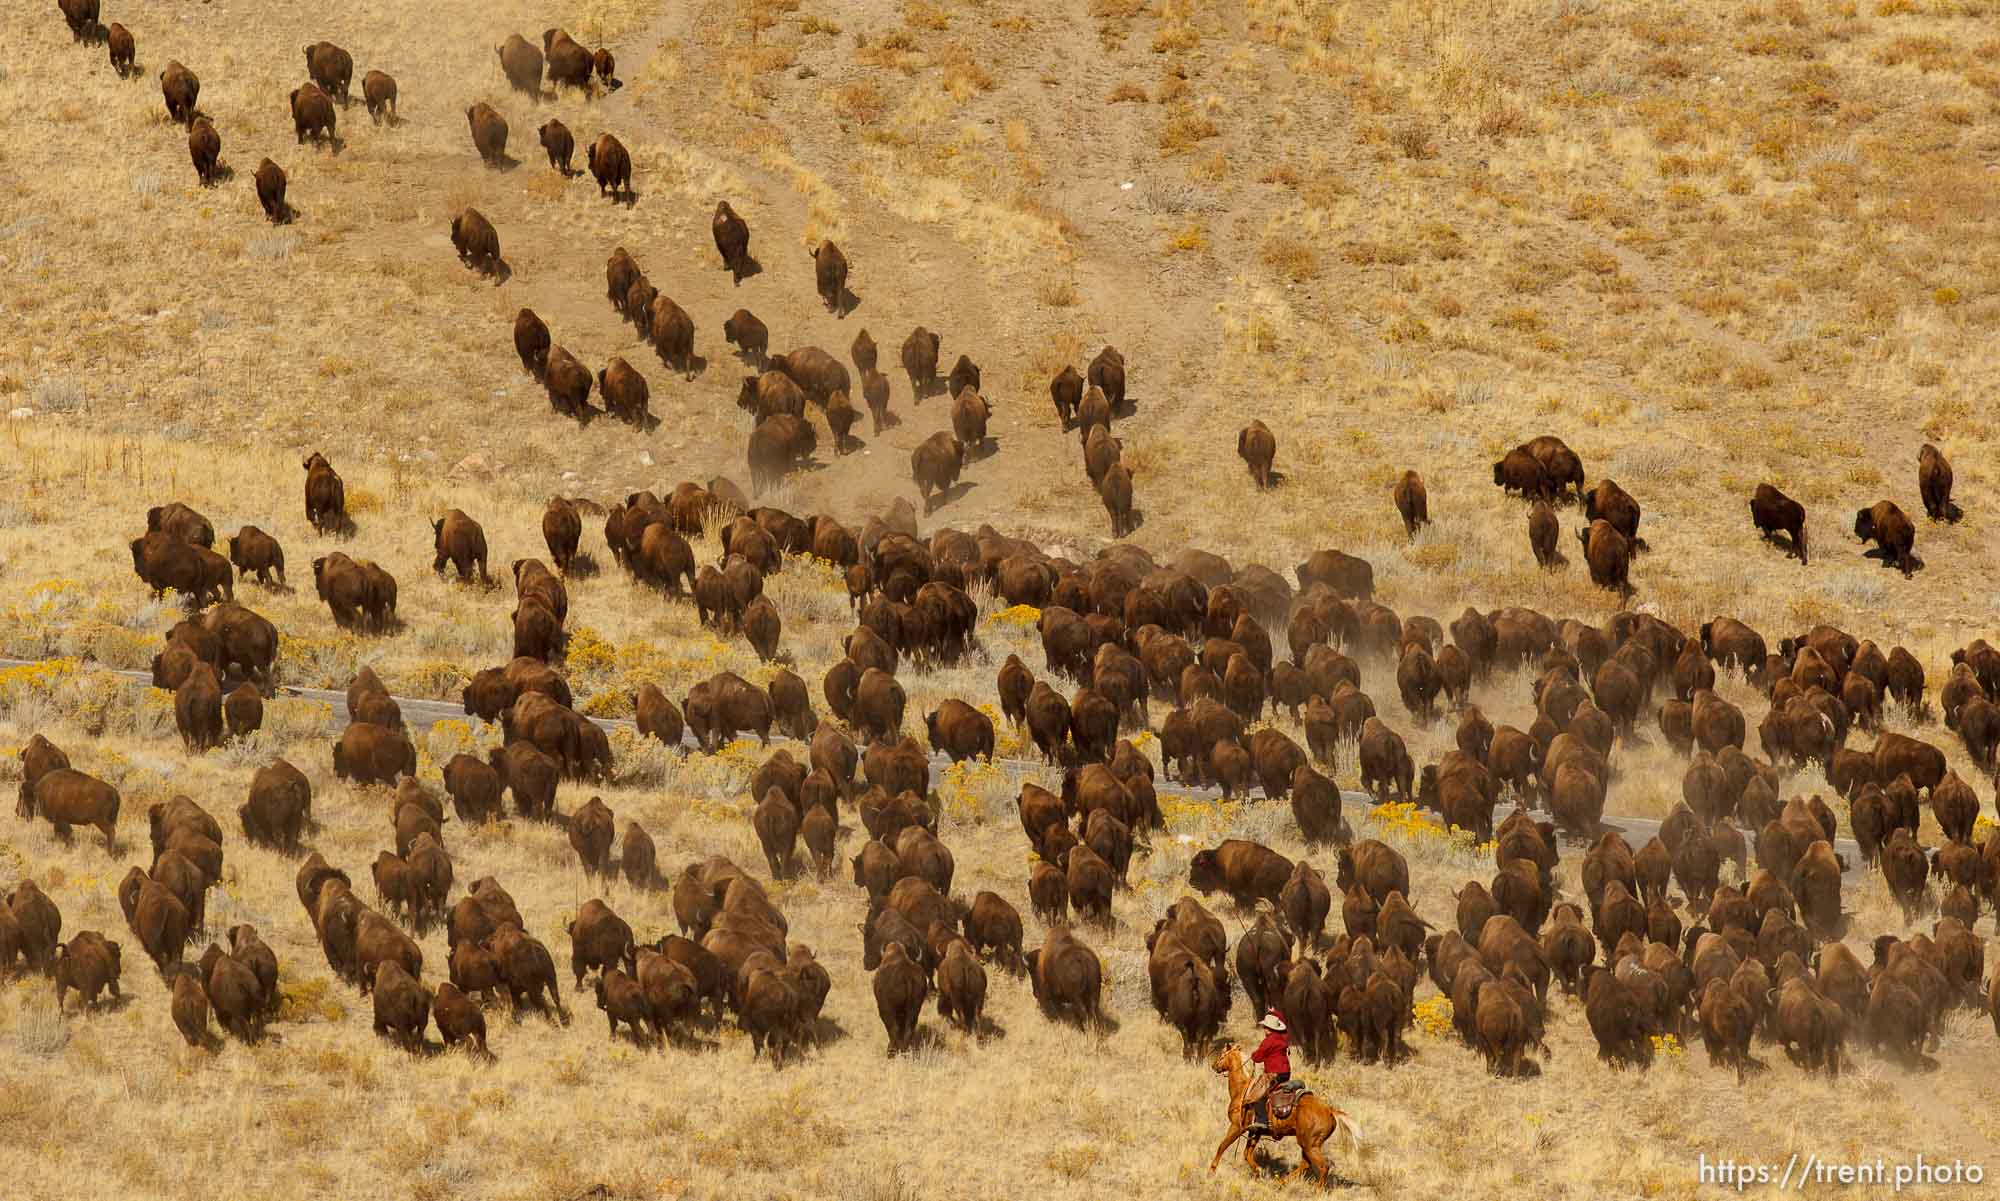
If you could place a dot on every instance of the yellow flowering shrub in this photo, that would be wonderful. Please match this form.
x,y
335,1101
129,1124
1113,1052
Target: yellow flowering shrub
x,y
610,703
36,680
1404,819
1019,616
1668,1045
1434,1015
588,651
969,789
433,677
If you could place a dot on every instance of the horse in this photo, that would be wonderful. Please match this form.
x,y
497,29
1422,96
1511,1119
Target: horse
x,y
1312,1121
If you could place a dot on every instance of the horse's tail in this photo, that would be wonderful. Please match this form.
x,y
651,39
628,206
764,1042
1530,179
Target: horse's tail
x,y
1347,1125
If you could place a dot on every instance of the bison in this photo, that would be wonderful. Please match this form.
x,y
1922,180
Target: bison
x,y
270,181
478,245
830,276
611,166
312,115
1774,513
1885,525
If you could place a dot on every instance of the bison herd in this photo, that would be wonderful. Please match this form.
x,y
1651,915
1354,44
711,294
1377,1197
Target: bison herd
x,y
1656,944
315,104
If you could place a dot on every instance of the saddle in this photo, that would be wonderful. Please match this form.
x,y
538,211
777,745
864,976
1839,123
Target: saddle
x,y
1284,1097
1277,1104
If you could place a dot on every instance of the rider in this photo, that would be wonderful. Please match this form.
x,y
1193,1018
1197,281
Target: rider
x,y
1271,1056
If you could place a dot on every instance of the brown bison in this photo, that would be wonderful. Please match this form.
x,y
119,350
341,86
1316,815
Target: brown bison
x,y
732,240
477,243
1609,554
625,393
969,414
312,115
570,65
1247,871
1775,513
326,496
280,806
920,361
458,539
1885,525
531,342
750,337
1522,472
253,550
1543,532
561,147
70,798
331,68
1066,390
81,17
1412,502
1609,502
270,181
489,133
1256,446
935,465
1561,464
611,166
830,277
378,91
371,754
672,332
521,63
779,444
181,89
118,40
1115,490
205,148
1934,484
568,384
1107,374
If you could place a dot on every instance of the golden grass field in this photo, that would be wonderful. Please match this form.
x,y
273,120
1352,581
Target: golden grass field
x,y
1708,244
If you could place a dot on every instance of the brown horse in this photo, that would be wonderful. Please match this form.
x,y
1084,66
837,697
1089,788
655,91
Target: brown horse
x,y
1312,1121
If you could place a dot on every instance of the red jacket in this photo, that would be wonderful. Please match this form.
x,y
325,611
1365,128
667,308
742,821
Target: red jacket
x,y
1271,1053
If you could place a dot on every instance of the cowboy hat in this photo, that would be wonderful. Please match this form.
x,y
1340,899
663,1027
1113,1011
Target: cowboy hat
x,y
1273,1022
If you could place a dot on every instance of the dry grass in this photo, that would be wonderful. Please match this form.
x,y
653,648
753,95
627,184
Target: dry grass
x,y
1785,276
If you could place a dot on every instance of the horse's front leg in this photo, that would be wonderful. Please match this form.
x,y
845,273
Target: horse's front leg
x,y
1236,1129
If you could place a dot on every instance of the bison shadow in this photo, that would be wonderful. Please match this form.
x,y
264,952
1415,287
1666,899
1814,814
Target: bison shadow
x,y
103,1005
582,566
828,1032
747,268
847,303
953,493
984,449
1128,407
1785,543
1888,559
